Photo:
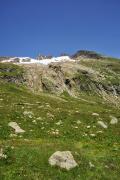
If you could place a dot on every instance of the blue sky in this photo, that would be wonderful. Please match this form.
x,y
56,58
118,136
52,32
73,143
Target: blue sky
x,y
29,27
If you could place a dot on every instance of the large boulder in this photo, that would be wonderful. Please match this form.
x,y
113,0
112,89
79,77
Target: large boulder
x,y
63,159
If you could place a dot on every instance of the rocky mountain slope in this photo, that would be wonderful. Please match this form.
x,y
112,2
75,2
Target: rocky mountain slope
x,y
67,106
74,77
88,72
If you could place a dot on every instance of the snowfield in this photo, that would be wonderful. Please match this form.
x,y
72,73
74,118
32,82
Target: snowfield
x,y
28,60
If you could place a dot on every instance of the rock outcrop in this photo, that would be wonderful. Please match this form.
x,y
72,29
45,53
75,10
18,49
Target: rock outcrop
x,y
87,54
70,77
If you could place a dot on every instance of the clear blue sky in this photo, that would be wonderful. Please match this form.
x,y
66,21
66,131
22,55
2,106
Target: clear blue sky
x,y
29,27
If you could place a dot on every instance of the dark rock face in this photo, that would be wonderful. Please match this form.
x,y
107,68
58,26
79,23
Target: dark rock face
x,y
68,83
55,68
17,79
11,73
87,54
90,85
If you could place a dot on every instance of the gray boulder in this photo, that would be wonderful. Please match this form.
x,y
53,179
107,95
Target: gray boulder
x,y
63,159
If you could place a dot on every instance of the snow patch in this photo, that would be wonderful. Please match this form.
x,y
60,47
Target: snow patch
x,y
28,60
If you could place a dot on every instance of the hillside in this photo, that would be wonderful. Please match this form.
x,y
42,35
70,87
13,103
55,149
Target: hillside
x,y
71,104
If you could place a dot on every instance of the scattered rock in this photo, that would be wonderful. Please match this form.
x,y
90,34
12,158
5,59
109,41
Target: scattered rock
x,y
39,118
85,134
59,123
114,120
13,135
99,132
88,127
102,124
48,106
12,147
55,132
42,106
2,155
95,114
16,127
92,135
28,113
78,122
76,127
106,166
50,115
34,121
91,165
20,136
63,159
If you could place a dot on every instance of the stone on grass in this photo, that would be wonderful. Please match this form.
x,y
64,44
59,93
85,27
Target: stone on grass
x,y
34,121
88,127
28,113
59,123
54,132
49,115
114,120
78,122
91,165
39,118
2,155
76,127
47,105
95,114
16,127
13,135
102,124
92,135
99,132
85,134
63,159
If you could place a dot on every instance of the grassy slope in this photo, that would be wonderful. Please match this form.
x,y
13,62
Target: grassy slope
x,y
108,67
28,153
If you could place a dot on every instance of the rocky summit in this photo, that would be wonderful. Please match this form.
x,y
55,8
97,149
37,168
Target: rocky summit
x,y
55,108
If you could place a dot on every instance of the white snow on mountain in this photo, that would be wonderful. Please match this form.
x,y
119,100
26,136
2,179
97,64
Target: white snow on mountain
x,y
27,60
